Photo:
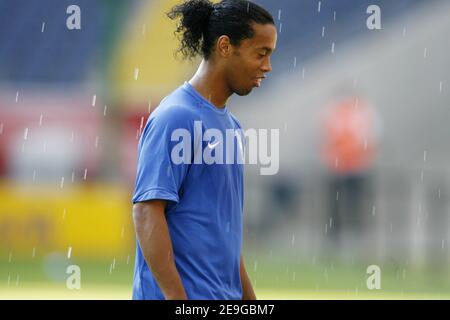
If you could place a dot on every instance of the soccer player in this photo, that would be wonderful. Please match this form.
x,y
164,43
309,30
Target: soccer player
x,y
188,214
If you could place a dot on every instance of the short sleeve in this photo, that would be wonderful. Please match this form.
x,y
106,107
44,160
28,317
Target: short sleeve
x,y
157,176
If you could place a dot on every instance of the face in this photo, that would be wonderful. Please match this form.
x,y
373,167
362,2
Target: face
x,y
248,63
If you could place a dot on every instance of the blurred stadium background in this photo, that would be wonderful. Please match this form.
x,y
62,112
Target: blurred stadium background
x,y
354,189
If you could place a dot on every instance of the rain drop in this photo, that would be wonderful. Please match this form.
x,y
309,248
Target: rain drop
x,y
149,107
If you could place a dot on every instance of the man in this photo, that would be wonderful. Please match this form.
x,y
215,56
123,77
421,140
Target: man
x,y
188,214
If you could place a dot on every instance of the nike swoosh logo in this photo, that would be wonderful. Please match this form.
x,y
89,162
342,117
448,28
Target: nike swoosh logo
x,y
212,146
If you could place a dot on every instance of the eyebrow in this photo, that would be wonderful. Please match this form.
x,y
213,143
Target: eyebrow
x,y
269,50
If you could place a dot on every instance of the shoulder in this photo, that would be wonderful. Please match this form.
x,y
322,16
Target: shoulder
x,y
173,113
167,118
175,110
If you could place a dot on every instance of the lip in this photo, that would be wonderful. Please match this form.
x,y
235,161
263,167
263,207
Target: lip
x,y
258,81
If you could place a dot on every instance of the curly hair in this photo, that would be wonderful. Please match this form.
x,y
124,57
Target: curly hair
x,y
202,22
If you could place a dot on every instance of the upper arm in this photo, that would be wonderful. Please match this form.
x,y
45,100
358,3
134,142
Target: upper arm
x,y
158,177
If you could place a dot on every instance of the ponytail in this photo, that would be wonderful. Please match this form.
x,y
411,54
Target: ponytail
x,y
194,16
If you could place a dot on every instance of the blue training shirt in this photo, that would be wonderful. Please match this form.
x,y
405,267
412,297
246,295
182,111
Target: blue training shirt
x,y
204,193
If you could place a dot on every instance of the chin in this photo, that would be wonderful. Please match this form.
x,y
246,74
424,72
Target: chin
x,y
243,92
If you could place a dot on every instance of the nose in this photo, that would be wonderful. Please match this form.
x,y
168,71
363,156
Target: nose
x,y
266,67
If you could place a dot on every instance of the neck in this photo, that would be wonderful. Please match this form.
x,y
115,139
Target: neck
x,y
210,83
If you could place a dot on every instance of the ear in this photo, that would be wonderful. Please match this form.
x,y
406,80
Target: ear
x,y
223,46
